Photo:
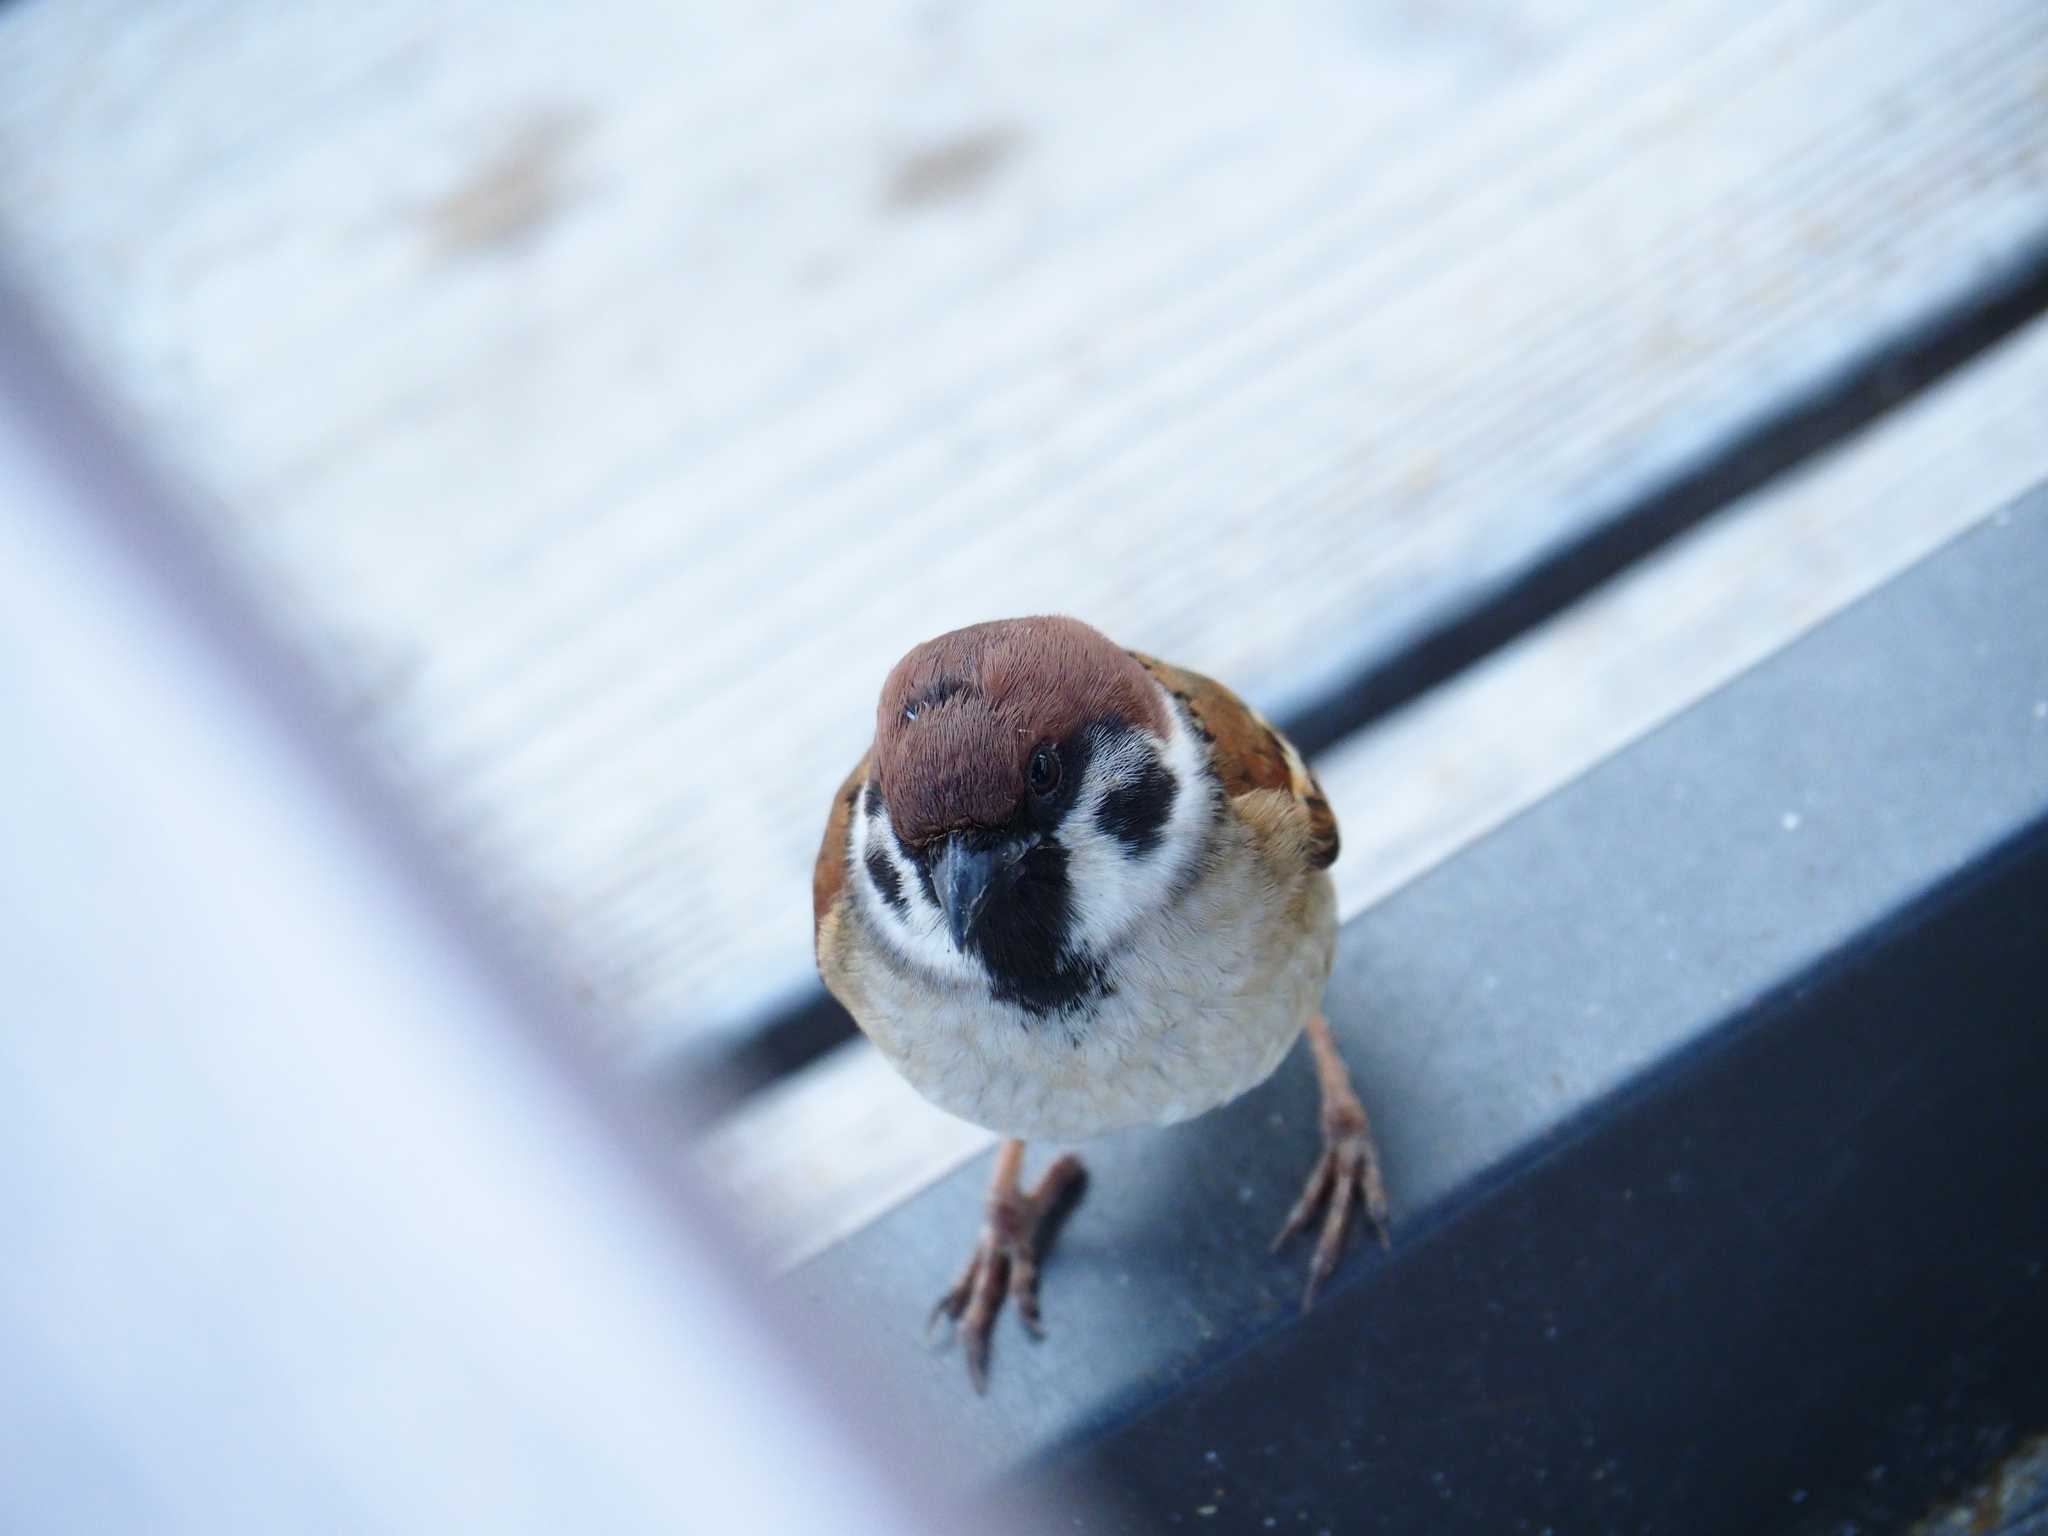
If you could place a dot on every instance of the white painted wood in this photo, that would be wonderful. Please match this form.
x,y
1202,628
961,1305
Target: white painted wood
x,y
831,1148
608,394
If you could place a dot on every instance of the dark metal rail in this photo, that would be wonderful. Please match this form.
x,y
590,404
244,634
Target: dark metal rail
x,y
1712,1092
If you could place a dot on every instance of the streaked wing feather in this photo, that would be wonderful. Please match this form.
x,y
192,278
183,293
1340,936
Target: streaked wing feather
x,y
1249,754
828,875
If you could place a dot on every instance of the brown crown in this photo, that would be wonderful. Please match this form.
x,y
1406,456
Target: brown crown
x,y
960,715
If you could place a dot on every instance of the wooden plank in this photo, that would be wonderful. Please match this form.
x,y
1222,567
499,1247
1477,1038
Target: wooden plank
x,y
608,401
822,1154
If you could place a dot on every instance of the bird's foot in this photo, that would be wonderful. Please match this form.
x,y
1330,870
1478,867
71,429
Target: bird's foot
x,y
1014,1236
1346,1174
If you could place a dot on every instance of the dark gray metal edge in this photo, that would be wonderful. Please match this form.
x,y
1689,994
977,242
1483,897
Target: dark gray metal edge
x,y
1793,1279
1656,903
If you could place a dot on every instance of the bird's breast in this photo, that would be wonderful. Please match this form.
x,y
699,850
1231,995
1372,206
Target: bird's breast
x,y
1193,1008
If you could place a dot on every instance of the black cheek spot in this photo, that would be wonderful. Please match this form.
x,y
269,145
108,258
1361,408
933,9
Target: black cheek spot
x,y
882,875
873,803
1135,814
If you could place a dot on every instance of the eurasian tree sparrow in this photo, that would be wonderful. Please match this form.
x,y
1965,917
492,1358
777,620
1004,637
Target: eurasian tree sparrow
x,y
1072,890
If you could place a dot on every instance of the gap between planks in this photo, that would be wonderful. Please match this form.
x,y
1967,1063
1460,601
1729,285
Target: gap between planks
x,y
820,1155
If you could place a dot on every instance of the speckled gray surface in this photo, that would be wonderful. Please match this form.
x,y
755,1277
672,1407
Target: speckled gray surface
x,y
1485,1003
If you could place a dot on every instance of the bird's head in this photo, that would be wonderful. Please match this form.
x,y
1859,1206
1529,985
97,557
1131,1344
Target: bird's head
x,y
1023,795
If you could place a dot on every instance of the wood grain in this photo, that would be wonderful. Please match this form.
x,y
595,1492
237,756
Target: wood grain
x,y
605,399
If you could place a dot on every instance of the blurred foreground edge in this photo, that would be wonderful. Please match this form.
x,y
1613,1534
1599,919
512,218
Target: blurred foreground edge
x,y
314,1217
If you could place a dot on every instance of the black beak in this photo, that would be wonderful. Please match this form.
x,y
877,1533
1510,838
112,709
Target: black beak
x,y
965,874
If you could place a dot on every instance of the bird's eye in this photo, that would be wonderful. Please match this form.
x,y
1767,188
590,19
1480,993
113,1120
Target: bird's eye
x,y
1044,770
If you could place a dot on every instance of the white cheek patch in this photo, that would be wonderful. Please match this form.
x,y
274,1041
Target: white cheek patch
x,y
917,931
1114,888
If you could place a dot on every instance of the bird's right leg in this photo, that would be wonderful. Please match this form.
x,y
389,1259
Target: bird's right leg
x,y
1005,1259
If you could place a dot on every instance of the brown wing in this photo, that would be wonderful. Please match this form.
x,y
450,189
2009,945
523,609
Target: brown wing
x,y
1249,755
828,875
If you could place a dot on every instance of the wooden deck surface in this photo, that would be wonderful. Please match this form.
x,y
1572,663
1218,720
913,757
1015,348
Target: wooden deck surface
x,y
605,398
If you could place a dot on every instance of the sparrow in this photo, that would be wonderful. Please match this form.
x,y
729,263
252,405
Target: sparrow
x,y
1071,890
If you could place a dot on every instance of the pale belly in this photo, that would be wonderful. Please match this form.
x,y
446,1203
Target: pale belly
x,y
1203,1006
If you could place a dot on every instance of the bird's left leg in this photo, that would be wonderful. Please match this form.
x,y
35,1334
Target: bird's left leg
x,y
1013,1234
1348,1169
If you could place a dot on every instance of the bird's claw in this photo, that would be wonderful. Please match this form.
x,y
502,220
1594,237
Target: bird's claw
x,y
1347,1173
1005,1263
